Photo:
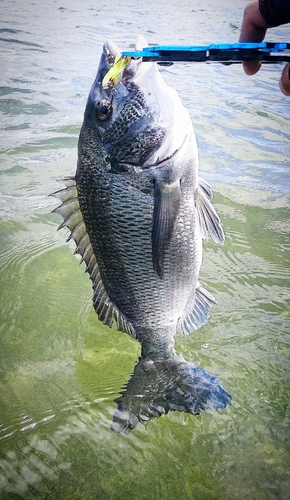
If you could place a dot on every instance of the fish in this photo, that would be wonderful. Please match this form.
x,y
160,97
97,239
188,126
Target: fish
x,y
138,213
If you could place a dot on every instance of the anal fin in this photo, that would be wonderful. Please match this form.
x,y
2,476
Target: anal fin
x,y
199,311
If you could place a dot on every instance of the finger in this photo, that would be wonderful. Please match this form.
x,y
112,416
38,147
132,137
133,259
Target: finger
x,y
251,67
254,26
284,82
253,29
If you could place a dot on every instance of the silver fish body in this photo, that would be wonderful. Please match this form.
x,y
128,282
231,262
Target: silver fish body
x,y
138,211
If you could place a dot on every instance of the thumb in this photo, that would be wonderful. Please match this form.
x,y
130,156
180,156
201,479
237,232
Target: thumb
x,y
284,82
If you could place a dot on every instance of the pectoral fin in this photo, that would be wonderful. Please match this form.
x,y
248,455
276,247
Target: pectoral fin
x,y
208,220
166,206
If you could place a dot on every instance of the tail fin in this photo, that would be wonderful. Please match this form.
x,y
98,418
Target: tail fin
x,y
157,387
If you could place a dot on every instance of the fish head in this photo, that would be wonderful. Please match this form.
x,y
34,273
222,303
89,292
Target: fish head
x,y
139,119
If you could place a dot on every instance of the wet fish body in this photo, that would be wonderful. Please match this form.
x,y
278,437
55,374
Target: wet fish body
x,y
138,212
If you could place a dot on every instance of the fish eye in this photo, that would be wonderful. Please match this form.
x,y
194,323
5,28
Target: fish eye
x,y
104,110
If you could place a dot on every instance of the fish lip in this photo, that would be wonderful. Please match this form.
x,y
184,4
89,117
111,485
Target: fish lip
x,y
112,50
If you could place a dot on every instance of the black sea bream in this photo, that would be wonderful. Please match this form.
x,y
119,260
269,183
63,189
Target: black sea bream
x,y
138,212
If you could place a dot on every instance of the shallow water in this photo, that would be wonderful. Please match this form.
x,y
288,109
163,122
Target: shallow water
x,y
60,369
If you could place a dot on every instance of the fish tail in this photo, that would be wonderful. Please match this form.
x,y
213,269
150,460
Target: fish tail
x,y
157,387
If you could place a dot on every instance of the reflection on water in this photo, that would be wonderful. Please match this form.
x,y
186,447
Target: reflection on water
x,y
60,369
155,388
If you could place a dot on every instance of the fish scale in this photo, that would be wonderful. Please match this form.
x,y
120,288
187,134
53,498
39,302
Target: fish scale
x,y
133,110
121,240
119,221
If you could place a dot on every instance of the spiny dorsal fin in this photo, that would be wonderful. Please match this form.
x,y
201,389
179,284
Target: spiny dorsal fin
x,y
199,311
207,218
70,211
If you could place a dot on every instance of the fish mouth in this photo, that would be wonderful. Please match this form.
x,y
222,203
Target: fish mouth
x,y
115,50
126,67
112,49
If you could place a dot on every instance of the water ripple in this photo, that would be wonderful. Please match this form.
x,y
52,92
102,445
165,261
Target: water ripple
x,y
60,369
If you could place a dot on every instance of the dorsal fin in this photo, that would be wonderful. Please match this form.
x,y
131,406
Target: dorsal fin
x,y
207,218
70,211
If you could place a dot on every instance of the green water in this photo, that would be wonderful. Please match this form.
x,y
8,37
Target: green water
x,y
60,369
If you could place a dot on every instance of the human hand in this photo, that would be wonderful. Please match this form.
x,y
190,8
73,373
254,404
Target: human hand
x,y
254,28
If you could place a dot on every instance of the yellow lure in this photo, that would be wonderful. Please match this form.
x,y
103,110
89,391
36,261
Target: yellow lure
x,y
114,75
